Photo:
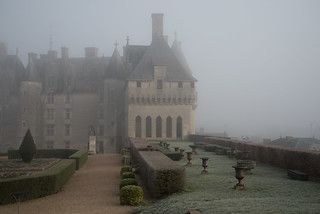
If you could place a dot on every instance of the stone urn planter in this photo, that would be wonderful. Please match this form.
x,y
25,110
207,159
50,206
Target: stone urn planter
x,y
240,171
204,165
189,158
181,152
194,149
248,164
176,149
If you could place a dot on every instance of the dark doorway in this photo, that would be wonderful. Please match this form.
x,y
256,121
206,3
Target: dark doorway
x,y
179,128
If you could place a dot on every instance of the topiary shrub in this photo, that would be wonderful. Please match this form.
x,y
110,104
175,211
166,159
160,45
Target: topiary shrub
x,y
27,148
131,195
128,181
125,169
128,175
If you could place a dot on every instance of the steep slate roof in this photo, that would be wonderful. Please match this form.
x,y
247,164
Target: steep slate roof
x,y
133,54
115,69
176,48
159,53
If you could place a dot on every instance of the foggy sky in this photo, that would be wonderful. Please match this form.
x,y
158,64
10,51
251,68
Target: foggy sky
x,y
257,61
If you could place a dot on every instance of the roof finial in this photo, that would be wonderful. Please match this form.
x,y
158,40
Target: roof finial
x,y
128,40
50,42
116,44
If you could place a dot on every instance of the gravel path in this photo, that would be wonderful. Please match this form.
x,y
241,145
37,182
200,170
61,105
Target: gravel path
x,y
93,189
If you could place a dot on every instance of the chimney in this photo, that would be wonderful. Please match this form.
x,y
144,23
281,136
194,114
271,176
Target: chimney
x,y
157,25
3,49
52,54
64,53
32,57
91,52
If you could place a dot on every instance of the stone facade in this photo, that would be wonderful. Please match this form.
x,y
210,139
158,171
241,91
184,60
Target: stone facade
x,y
149,92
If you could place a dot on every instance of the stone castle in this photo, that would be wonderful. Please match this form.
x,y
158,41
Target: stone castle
x,y
149,92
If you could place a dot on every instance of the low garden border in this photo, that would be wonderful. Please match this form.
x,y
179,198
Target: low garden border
x,y
39,184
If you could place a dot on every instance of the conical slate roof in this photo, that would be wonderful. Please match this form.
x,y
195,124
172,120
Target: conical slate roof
x,y
159,53
115,69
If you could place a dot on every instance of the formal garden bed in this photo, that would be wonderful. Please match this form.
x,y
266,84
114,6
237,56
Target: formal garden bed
x,y
267,189
36,183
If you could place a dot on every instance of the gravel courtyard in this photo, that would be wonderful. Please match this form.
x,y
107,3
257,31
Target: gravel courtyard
x,y
93,189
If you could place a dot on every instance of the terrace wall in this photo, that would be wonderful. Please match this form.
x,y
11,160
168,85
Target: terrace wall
x,y
305,161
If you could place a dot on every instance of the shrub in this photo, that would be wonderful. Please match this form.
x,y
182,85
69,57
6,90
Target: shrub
x,y
128,175
81,157
131,195
27,148
128,181
126,160
38,185
125,169
45,153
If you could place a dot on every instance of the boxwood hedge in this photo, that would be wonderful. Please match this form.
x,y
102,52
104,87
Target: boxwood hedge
x,y
81,157
39,184
131,195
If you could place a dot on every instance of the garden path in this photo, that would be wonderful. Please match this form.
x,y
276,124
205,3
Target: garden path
x,y
94,189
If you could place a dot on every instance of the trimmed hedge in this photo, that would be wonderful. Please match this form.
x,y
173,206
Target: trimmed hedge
x,y
45,153
38,185
81,157
162,175
125,169
131,195
128,181
128,175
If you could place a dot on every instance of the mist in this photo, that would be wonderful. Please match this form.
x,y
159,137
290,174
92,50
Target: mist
x,y
256,62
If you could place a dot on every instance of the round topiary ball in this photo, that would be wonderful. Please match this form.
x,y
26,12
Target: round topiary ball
x,y
27,148
128,175
131,195
125,169
128,181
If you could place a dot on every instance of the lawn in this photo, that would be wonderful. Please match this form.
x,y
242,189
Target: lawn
x,y
268,190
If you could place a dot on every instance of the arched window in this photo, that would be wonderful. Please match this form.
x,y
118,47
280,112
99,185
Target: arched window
x,y
138,126
169,127
179,128
158,127
148,127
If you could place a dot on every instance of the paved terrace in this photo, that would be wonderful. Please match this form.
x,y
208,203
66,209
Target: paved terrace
x,y
93,189
268,190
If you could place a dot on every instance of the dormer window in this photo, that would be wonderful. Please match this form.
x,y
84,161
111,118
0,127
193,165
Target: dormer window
x,y
180,85
138,84
159,84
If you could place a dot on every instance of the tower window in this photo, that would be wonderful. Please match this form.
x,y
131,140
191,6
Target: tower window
x,y
159,84
138,84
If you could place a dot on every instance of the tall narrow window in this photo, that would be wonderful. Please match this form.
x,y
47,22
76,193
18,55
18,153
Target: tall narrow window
x,y
159,84
67,144
50,129
138,84
158,127
68,114
192,84
101,130
138,126
179,127
148,127
50,98
169,127
50,114
180,85
67,98
67,129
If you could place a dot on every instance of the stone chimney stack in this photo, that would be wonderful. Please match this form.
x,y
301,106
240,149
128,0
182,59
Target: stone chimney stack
x,y
157,25
32,57
3,49
91,52
64,53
